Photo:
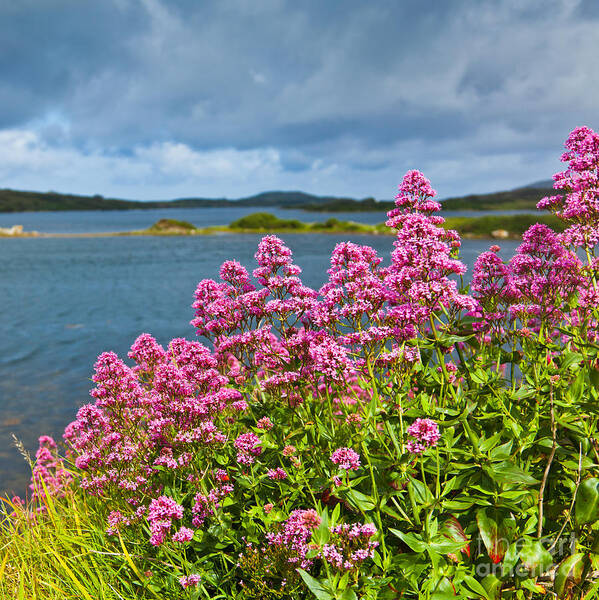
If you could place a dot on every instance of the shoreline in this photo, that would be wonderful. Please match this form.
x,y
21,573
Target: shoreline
x,y
489,227
224,231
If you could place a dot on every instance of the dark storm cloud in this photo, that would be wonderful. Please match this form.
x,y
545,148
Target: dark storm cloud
x,y
48,49
324,92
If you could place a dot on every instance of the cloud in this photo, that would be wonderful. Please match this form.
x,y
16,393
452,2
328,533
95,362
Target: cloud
x,y
236,94
25,154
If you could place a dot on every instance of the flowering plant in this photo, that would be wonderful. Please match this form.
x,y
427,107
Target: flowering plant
x,y
392,434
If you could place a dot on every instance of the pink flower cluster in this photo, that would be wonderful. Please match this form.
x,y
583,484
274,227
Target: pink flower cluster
x,y
537,285
349,546
293,537
150,417
49,471
161,512
346,458
190,580
249,447
277,473
293,337
205,505
578,204
423,259
264,423
426,434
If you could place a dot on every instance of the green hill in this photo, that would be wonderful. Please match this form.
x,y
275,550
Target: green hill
x,y
17,201
524,198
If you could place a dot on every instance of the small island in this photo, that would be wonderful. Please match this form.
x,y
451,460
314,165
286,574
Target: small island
x,y
489,226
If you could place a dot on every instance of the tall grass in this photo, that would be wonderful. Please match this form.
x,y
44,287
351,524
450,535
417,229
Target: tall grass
x,y
61,553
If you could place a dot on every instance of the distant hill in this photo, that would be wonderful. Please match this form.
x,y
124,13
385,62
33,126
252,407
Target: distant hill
x,y
17,201
541,185
524,198
349,205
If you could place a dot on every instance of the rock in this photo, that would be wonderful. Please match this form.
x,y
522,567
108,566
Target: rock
x,y
14,230
500,234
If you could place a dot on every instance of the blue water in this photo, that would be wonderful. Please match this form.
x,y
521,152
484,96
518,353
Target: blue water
x,y
63,301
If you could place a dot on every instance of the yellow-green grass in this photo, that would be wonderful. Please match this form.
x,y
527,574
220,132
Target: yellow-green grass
x,y
63,553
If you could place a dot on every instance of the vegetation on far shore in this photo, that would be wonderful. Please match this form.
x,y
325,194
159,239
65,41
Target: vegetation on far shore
x,y
19,201
488,226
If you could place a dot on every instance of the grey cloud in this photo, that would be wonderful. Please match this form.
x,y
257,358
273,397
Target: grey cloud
x,y
353,85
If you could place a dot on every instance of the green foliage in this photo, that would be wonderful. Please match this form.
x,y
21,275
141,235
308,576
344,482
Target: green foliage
x,y
267,222
261,221
463,516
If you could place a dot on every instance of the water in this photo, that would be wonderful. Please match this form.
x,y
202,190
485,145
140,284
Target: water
x,y
65,300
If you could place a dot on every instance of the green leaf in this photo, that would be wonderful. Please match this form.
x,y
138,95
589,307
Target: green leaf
x,y
569,359
376,559
509,473
492,584
479,376
315,586
359,500
415,543
335,515
569,571
453,530
322,533
392,513
509,560
458,505
535,557
476,587
348,594
501,452
449,486
587,502
490,442
421,492
449,340
575,390
531,585
525,391
494,541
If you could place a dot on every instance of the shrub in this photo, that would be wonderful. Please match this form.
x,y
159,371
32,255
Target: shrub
x,y
264,220
389,435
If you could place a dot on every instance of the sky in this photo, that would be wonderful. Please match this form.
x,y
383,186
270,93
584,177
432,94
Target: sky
x,y
160,99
